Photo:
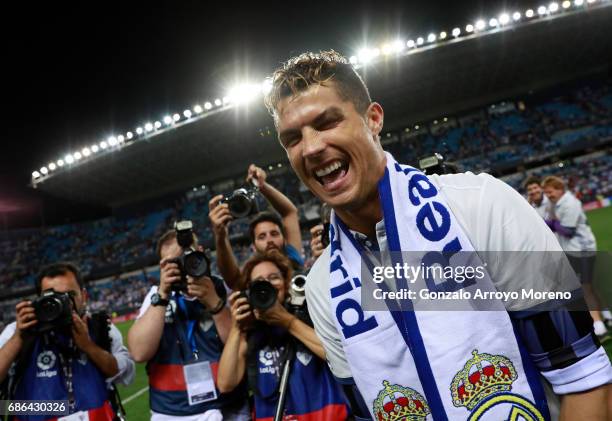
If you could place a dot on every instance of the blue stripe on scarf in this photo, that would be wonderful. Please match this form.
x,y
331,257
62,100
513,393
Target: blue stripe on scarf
x,y
408,325
533,377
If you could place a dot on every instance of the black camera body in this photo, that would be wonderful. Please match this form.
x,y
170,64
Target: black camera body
x,y
192,262
260,295
436,164
53,310
242,202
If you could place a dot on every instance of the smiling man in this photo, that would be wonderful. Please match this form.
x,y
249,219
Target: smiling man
x,y
407,364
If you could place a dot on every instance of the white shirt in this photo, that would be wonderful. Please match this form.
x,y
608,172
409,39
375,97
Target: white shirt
x,y
570,214
543,208
126,365
493,216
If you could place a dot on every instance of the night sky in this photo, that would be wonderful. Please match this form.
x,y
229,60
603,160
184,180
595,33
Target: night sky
x,y
75,74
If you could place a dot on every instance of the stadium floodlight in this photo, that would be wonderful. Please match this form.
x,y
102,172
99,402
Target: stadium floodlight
x,y
266,85
553,7
493,22
469,28
386,49
86,152
207,105
431,37
167,120
591,1
120,138
157,124
578,2
139,130
129,135
480,24
103,144
35,174
69,159
112,141
529,13
542,10
218,102
365,55
566,4
516,16
94,148
442,35
504,18
410,43
187,113
176,117
52,166
226,100
456,32
60,162
352,60
398,45
44,170
148,127
198,108
243,93
420,41
77,155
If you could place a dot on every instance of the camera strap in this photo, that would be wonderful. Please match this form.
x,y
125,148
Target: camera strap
x,y
66,363
191,324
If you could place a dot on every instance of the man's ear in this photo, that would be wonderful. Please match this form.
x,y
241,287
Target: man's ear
x,y
375,117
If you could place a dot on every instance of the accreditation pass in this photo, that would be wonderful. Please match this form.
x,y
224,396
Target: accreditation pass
x,y
200,382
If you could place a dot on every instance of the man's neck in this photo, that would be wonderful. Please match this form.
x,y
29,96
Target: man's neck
x,y
364,219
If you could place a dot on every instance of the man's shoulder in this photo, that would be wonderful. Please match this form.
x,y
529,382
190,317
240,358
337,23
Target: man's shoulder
x,y
319,272
464,180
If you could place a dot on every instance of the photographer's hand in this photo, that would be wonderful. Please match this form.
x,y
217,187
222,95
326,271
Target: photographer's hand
x,y
316,245
204,290
242,317
276,315
254,173
102,359
169,273
220,216
26,317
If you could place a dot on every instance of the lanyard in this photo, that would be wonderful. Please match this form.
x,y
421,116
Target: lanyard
x,y
191,324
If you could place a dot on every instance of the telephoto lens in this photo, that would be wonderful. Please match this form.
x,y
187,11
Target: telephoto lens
x,y
261,295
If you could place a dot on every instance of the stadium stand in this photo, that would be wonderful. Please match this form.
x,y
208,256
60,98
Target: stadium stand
x,y
567,134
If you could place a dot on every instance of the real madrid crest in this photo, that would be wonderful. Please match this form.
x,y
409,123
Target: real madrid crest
x,y
398,403
484,387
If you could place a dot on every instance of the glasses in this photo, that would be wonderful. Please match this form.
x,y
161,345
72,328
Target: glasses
x,y
272,278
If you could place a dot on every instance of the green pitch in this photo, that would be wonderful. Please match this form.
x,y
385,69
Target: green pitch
x,y
136,402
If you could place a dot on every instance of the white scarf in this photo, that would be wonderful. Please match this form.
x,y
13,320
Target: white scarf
x,y
424,365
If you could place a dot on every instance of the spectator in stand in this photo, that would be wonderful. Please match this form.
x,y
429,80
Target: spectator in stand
x,y
567,219
266,230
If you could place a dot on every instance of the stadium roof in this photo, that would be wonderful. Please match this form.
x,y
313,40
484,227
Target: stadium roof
x,y
435,82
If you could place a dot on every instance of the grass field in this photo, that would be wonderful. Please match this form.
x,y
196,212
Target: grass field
x,y
136,396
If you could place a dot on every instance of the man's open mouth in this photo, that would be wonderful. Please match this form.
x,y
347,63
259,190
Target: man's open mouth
x,y
331,172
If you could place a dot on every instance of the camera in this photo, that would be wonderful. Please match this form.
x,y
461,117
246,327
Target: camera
x,y
242,202
435,164
261,295
53,310
192,262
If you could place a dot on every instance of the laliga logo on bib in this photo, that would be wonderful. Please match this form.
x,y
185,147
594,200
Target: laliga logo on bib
x,y
46,360
266,357
483,386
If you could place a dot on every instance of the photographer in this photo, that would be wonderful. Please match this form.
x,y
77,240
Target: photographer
x,y
260,341
267,231
180,332
54,348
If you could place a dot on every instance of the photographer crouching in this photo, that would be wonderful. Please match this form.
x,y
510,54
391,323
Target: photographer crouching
x,y
269,329
56,351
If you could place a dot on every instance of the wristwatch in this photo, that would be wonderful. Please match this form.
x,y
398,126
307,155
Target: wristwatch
x,y
157,300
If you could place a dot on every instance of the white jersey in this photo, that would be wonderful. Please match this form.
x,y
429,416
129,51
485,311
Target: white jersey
x,y
570,214
493,216
543,208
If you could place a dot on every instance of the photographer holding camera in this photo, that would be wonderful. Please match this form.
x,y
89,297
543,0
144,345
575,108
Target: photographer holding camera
x,y
267,231
180,332
56,351
265,334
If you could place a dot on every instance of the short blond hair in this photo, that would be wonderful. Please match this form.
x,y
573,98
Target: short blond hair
x,y
554,182
327,68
